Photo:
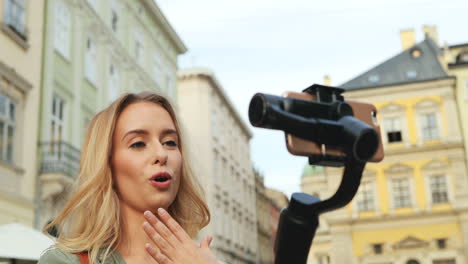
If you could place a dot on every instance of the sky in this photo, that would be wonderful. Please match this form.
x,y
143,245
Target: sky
x,y
272,46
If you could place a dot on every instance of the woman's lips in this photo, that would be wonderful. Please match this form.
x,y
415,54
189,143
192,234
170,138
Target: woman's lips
x,y
161,185
161,180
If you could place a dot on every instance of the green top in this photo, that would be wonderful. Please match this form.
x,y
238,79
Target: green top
x,y
57,256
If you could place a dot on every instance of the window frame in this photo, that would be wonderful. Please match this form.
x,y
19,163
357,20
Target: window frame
x,y
370,184
410,196
90,62
393,111
11,19
466,89
434,127
8,121
113,88
114,13
139,48
431,190
423,108
393,120
62,29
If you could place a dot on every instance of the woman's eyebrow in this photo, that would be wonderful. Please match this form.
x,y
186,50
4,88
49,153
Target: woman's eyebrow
x,y
165,132
168,131
136,131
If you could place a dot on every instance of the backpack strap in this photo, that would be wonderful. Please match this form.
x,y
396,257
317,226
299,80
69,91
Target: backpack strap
x,y
83,257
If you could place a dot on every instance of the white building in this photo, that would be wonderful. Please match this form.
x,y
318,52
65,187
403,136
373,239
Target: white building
x,y
219,142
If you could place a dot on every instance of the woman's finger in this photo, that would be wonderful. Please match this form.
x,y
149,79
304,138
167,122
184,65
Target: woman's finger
x,y
157,256
162,229
157,238
206,242
172,224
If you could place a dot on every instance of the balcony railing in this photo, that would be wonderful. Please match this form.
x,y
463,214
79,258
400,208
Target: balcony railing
x,y
59,157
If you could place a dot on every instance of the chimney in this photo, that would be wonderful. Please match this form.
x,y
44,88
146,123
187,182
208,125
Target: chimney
x,y
408,38
326,80
431,32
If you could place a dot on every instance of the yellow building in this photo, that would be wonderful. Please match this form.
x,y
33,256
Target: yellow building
x,y
20,70
456,61
413,206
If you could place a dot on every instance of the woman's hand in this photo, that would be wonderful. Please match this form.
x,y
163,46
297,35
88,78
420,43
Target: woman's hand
x,y
174,244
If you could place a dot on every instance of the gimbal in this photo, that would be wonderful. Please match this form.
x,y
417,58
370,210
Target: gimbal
x,y
329,121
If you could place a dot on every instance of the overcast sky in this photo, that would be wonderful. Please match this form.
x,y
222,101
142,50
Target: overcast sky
x,y
273,46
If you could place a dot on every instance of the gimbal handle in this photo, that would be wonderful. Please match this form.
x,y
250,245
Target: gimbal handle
x,y
299,221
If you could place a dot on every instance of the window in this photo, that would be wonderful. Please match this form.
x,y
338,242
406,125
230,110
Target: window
x,y
442,243
139,48
323,259
416,53
93,3
374,78
401,193
216,169
412,261
429,126
411,74
444,261
393,130
15,16
365,201
377,248
114,17
157,71
62,29
90,60
466,90
214,123
113,83
57,126
168,82
438,189
7,128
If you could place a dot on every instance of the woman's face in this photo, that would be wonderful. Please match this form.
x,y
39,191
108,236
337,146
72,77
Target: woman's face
x,y
146,160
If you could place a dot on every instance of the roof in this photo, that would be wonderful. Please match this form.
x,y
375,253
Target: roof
x,y
405,67
18,241
200,71
458,45
166,26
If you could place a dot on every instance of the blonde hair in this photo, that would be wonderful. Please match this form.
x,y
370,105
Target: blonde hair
x,y
91,220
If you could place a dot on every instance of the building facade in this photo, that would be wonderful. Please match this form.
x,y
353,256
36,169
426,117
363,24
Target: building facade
x,y
269,203
20,74
413,206
456,61
93,52
219,144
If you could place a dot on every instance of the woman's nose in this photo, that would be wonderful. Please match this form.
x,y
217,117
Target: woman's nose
x,y
160,156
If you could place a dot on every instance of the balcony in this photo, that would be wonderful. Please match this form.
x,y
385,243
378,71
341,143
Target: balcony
x,y
59,166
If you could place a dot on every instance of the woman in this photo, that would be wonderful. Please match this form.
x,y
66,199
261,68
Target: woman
x,y
135,200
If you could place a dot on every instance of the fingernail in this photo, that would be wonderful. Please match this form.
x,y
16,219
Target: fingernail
x,y
161,211
149,248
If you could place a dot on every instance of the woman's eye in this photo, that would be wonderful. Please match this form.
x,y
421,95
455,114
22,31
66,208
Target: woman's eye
x,y
139,144
171,143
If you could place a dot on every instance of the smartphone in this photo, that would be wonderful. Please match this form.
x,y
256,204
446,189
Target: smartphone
x,y
332,155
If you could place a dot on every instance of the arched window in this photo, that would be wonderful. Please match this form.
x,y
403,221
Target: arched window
x,y
412,261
